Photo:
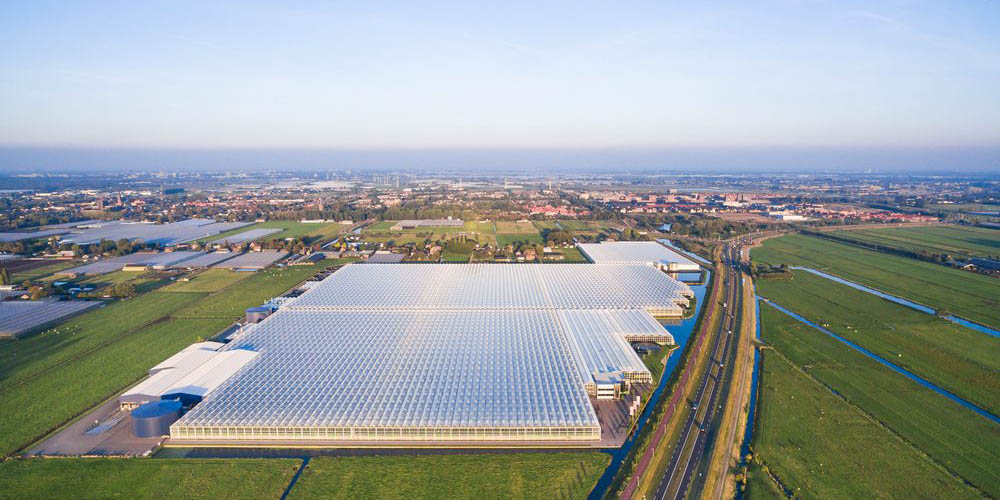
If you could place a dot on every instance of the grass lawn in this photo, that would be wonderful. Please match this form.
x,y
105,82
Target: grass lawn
x,y
960,241
960,359
821,447
804,423
502,476
86,478
968,295
210,280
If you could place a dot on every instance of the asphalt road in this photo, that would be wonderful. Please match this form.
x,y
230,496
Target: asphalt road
x,y
687,455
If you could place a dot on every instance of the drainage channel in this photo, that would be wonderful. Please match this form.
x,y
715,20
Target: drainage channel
x,y
295,478
906,373
901,301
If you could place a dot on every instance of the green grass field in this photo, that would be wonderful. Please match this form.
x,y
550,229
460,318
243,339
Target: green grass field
x,y
958,241
253,291
962,360
30,356
761,487
54,397
569,255
42,272
502,476
968,295
289,229
803,424
517,238
60,373
210,280
821,447
97,478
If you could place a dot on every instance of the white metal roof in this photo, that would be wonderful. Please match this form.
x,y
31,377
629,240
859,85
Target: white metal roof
x,y
212,373
634,252
178,358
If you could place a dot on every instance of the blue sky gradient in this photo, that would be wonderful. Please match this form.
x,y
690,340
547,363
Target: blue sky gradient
x,y
883,75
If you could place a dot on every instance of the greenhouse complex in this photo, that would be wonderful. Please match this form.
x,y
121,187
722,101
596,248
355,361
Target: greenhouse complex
x,y
377,353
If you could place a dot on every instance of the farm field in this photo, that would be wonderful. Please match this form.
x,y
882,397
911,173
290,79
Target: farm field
x,y
210,280
517,238
62,372
569,255
253,291
793,437
290,229
964,294
56,396
958,241
801,438
477,476
380,232
25,358
959,359
97,478
761,487
32,273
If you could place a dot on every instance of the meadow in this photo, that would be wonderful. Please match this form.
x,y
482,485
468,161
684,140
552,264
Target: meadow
x,y
475,476
209,280
104,478
57,375
959,359
253,291
880,430
964,294
289,229
958,241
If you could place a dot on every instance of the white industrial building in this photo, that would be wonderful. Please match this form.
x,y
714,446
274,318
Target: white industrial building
x,y
440,352
638,252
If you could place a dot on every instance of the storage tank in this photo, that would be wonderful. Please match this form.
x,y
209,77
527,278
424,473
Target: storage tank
x,y
257,314
154,418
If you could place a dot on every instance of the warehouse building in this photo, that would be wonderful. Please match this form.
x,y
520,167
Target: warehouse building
x,y
440,353
637,252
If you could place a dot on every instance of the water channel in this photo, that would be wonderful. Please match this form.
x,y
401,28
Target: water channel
x,y
901,301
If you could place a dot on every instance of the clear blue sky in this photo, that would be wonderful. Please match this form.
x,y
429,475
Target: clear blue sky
x,y
606,74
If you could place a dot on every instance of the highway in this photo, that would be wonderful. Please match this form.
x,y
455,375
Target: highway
x,y
693,440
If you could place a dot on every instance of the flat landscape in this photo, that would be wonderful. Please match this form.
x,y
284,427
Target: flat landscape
x,y
960,359
504,476
90,478
322,231
904,439
958,241
964,294
60,373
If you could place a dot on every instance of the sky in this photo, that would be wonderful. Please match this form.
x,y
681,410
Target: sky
x,y
882,77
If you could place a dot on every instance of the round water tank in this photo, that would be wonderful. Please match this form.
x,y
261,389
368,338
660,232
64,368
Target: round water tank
x,y
154,418
257,314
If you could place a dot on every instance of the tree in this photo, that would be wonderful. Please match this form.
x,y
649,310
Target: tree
x,y
4,277
124,289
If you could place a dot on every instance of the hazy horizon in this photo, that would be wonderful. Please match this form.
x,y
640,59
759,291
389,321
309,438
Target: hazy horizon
x,y
592,160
